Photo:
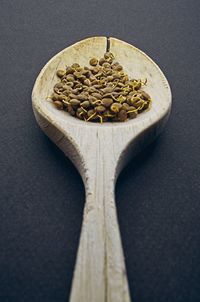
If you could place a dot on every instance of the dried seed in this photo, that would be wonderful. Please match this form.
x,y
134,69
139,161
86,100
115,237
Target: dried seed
x,y
87,82
101,61
93,62
125,106
75,65
74,102
107,102
59,105
122,115
85,104
100,109
60,73
115,107
97,95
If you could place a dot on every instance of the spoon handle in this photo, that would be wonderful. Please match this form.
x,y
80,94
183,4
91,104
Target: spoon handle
x,y
100,274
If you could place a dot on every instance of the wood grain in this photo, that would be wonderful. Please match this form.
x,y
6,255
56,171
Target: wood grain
x,y
99,152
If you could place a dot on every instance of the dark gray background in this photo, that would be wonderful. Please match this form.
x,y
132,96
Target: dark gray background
x,y
42,195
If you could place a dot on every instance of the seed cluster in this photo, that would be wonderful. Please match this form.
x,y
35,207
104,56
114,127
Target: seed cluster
x,y
100,93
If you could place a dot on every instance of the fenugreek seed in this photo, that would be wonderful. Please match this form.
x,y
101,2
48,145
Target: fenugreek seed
x,y
59,85
125,106
85,104
145,95
95,70
132,112
92,98
78,74
54,96
87,82
107,102
61,97
75,65
110,78
101,61
90,112
106,65
100,109
97,95
115,107
108,54
122,115
59,105
95,82
69,70
70,78
74,102
118,67
82,97
72,96
137,85
93,62
60,73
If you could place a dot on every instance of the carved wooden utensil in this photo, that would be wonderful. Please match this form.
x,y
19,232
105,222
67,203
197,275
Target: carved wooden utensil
x,y
99,151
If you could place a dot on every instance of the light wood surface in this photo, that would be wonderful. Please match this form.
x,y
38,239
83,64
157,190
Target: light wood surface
x,y
99,152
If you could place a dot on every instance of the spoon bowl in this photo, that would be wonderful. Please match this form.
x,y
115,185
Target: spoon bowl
x,y
99,151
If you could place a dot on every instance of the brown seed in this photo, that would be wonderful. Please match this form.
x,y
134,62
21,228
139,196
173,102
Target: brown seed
x,y
107,102
78,74
59,105
132,115
145,95
87,82
69,70
106,65
85,104
75,65
125,106
101,61
118,67
60,73
100,109
74,102
92,99
115,107
95,82
70,78
61,97
59,85
107,89
90,112
82,97
137,85
122,115
93,62
72,96
109,78
95,70
97,95
54,97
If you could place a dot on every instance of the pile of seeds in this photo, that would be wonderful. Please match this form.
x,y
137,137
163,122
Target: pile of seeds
x,y
100,93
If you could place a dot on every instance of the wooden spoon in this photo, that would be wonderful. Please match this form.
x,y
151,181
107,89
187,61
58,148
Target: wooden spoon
x,y
99,151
